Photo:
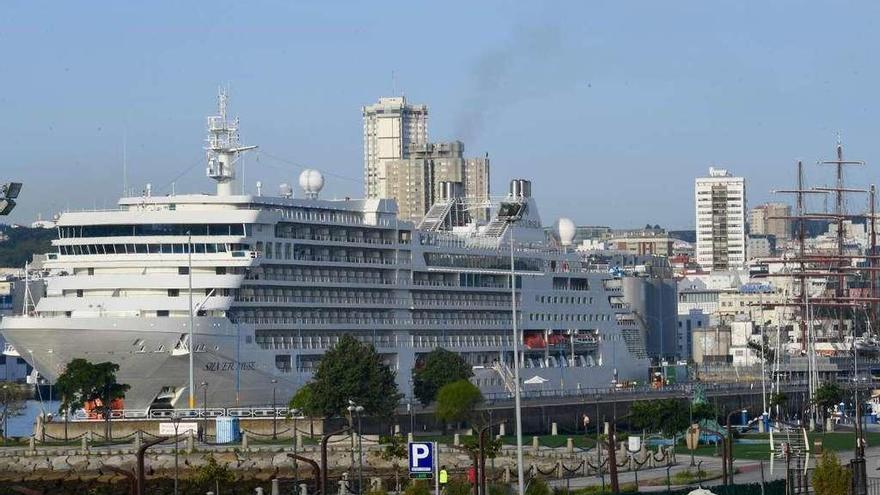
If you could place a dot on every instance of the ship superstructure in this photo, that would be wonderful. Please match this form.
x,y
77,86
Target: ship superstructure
x,y
271,283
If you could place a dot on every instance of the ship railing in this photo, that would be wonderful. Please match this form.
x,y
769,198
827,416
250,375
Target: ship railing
x,y
345,259
196,413
372,321
312,300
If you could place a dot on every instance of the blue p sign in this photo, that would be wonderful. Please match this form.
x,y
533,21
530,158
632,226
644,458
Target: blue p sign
x,y
421,457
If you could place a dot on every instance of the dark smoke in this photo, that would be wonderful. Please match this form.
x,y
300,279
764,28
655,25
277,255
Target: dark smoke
x,y
498,78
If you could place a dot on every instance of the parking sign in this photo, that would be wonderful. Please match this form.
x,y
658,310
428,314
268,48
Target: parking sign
x,y
421,460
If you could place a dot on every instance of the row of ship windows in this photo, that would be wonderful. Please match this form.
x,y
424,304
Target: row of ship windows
x,y
564,299
151,230
179,248
568,317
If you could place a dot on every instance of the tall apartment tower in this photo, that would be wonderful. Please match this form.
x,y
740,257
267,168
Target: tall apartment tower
x,y
720,202
391,126
416,181
766,219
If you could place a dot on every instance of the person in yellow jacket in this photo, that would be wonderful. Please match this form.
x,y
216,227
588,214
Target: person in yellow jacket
x,y
443,478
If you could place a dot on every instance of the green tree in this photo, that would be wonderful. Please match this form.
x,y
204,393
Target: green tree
x,y
213,473
703,411
828,395
83,381
302,400
457,401
440,367
352,370
12,402
394,450
778,399
668,416
829,477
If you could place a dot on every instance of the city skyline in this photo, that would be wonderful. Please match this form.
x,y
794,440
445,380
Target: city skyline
x,y
593,106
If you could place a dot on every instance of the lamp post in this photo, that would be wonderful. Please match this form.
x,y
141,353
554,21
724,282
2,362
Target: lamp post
x,y
274,412
5,412
357,410
729,444
192,346
511,213
204,411
176,420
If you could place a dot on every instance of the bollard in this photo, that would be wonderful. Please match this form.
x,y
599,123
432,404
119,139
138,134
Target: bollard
x,y
506,474
303,489
535,443
554,430
138,438
32,445
258,491
85,445
569,445
456,440
244,441
397,429
190,442
409,437
343,487
501,430
559,469
276,489
299,440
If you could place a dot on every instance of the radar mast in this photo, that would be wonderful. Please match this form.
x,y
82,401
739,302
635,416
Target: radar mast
x,y
223,148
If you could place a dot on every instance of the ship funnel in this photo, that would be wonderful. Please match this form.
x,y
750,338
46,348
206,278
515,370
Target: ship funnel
x,y
520,188
451,190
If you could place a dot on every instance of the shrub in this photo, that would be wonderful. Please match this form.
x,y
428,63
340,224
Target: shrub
x,y
417,487
830,478
537,486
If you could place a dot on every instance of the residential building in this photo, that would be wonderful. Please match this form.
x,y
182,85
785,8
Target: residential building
x,y
760,246
390,127
415,181
660,244
720,201
771,219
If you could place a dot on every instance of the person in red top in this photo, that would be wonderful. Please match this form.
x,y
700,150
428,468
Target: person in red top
x,y
472,475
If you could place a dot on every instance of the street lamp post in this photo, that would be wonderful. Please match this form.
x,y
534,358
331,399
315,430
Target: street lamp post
x,y
274,411
5,412
510,218
357,410
192,347
204,411
176,419
729,444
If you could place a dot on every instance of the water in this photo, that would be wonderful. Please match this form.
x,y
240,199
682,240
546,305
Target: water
x,y
23,424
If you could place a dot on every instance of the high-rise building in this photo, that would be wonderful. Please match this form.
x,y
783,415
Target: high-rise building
x,y
766,219
391,126
415,181
720,203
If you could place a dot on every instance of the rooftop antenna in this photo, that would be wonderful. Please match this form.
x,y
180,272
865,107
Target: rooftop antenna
x,y
223,148
124,162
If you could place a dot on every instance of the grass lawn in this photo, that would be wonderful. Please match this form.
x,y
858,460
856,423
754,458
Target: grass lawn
x,y
833,441
544,440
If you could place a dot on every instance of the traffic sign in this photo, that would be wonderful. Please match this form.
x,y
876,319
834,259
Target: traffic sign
x,y
421,458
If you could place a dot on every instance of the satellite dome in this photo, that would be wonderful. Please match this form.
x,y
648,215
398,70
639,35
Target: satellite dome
x,y
311,181
565,230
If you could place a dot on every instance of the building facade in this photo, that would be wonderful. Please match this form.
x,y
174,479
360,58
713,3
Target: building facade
x,y
720,202
415,181
390,127
768,219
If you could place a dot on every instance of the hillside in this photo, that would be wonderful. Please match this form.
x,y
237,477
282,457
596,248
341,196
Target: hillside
x,y
23,243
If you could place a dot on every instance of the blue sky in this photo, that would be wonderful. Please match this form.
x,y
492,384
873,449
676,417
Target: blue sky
x,y
611,108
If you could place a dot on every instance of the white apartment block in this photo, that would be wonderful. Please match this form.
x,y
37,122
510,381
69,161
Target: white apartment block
x,y
391,126
720,202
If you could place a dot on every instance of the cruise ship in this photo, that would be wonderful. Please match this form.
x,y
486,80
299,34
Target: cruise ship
x,y
266,284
